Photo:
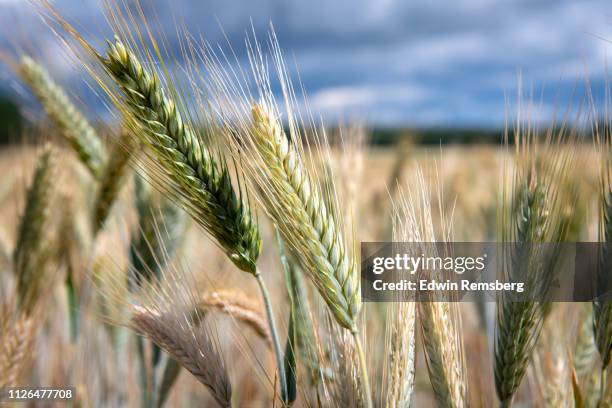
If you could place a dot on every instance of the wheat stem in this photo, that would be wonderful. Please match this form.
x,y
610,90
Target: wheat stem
x,y
169,375
238,306
363,368
278,354
202,184
32,248
304,219
302,215
15,343
603,383
187,343
443,352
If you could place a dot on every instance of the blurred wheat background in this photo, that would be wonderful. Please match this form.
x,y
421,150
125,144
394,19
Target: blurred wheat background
x,y
179,227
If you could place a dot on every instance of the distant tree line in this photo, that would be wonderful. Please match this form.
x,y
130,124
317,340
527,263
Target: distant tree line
x,y
11,121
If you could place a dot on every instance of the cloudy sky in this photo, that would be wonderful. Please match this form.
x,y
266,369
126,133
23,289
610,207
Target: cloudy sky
x,y
424,63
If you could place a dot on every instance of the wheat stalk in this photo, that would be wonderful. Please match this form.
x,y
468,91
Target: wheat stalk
x,y
306,340
535,216
170,374
187,343
32,247
112,178
205,184
78,132
15,349
551,367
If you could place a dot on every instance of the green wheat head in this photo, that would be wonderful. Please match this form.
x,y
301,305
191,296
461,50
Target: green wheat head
x,y
78,132
33,247
203,184
304,219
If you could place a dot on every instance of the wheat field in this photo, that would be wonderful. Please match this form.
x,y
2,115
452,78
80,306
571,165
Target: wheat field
x,y
201,248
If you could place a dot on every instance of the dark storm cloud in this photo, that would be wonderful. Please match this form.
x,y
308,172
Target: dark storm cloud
x,y
393,61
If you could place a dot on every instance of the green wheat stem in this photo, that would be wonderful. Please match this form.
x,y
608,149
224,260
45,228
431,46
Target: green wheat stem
x,y
295,203
278,353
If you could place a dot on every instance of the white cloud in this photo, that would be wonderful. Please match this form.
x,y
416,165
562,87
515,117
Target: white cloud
x,y
366,101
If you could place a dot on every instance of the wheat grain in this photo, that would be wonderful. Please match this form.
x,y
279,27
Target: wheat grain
x,y
160,228
312,231
309,221
535,216
79,133
400,344
602,309
438,316
303,218
345,387
204,183
33,245
187,343
15,349
165,310
551,366
444,353
519,323
161,225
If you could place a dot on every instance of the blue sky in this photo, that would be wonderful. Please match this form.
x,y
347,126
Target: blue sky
x,y
392,62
